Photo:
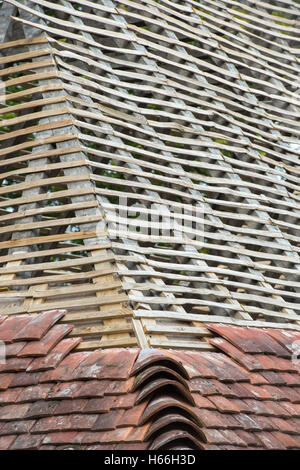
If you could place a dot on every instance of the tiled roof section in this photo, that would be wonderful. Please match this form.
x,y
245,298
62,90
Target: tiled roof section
x,y
244,395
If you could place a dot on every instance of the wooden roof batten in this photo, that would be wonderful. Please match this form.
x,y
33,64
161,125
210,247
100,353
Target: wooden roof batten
x,y
173,105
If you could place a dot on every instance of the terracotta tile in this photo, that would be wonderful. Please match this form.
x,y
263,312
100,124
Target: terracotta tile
x,y
6,442
118,387
265,423
148,357
277,393
291,394
15,364
92,388
132,446
74,422
45,344
241,390
260,393
126,401
134,416
202,402
258,407
64,390
34,393
273,378
116,436
241,404
285,338
250,340
269,441
248,422
70,406
159,385
108,421
282,425
248,437
2,318
295,423
85,437
233,438
5,380
223,404
11,412
287,440
39,325
99,405
65,371
292,409
204,386
13,349
246,360
215,436
258,379
23,379
291,380
278,409
27,442
53,359
226,389
66,437
210,418
196,367
223,367
16,427
10,395
41,409
11,327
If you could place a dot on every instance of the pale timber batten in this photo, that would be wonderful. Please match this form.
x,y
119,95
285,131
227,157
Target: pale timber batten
x,y
185,114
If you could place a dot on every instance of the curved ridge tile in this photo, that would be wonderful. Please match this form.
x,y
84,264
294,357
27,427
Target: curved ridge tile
x,y
162,402
155,371
173,436
160,383
173,419
151,356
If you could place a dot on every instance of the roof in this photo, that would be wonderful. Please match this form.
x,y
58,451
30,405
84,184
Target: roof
x,y
243,395
150,166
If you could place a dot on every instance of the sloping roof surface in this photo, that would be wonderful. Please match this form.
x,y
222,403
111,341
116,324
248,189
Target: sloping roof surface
x,y
244,395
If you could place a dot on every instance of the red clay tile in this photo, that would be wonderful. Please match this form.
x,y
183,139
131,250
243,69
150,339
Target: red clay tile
x,y
269,441
10,395
92,389
65,371
15,364
11,412
17,427
85,437
250,340
204,386
273,378
64,390
41,409
138,434
210,418
75,422
5,380
2,318
133,416
287,440
223,404
13,349
118,387
6,442
292,409
23,379
55,356
233,438
67,437
116,436
244,359
260,393
11,327
27,442
292,380
70,406
202,402
248,437
291,393
249,423
285,338
132,446
99,405
282,425
108,421
34,393
45,344
258,379
38,325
